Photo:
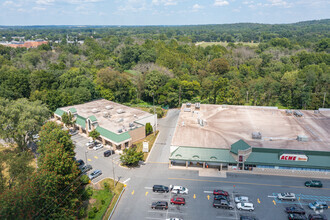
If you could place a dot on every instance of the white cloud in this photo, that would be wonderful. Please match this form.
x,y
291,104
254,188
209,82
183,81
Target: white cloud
x,y
278,3
197,6
165,2
38,9
221,3
11,3
133,5
83,1
247,2
45,2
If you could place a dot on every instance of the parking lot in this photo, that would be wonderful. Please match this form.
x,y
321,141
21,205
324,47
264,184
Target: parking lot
x,y
96,158
262,192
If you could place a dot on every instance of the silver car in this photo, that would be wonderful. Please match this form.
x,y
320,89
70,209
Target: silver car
x,y
286,196
99,146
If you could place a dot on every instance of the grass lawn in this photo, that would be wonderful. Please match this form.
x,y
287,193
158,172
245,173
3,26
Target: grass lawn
x,y
151,139
100,199
205,44
116,190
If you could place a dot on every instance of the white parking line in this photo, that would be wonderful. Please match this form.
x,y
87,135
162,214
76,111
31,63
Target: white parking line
x,y
222,217
147,187
208,191
272,196
127,180
234,206
154,218
176,213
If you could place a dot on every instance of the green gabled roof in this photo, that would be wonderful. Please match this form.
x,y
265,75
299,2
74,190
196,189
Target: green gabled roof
x,y
92,118
271,158
81,121
202,154
113,136
59,112
73,110
239,145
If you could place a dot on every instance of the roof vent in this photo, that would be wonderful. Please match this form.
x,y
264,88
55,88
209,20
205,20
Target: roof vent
x,y
120,111
131,125
256,135
95,110
120,120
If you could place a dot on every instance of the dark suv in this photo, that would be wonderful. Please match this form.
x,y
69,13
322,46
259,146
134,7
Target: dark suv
x,y
108,153
313,183
224,204
295,209
159,205
317,217
160,188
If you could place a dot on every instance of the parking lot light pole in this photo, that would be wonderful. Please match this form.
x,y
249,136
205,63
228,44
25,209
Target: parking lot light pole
x,y
113,172
86,157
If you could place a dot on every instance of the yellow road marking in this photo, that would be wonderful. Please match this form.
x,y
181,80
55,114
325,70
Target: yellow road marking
x,y
245,183
96,157
298,198
194,196
274,202
147,193
208,197
133,192
258,201
89,159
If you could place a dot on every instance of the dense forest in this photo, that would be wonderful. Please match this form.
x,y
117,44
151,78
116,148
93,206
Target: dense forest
x,y
284,65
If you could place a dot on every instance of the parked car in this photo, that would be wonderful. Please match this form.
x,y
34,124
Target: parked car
x,y
160,188
159,205
318,205
73,132
220,192
224,204
95,174
178,189
178,201
97,147
313,183
108,153
80,163
86,168
286,196
245,206
219,197
295,216
241,199
91,143
317,217
295,209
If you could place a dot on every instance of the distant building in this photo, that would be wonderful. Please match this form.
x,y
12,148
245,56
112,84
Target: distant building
x,y
27,44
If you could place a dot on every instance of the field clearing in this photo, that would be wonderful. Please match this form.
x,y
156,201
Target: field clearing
x,y
205,44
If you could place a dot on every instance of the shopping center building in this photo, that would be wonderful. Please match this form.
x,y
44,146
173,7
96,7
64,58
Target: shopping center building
x,y
251,138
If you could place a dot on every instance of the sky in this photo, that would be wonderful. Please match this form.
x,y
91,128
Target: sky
x,y
159,12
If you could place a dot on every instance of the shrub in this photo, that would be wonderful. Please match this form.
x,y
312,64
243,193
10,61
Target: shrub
x,y
82,213
106,186
148,129
91,214
84,179
95,209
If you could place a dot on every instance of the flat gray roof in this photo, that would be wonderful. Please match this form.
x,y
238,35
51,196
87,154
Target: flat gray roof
x,y
116,120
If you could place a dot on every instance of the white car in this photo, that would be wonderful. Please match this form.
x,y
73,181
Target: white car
x,y
91,143
245,206
286,196
241,199
99,146
178,189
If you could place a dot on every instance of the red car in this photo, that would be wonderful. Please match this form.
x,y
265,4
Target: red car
x,y
220,192
178,201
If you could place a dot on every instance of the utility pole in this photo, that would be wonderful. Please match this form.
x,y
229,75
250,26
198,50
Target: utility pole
x,y
324,99
113,173
247,96
86,157
180,95
155,120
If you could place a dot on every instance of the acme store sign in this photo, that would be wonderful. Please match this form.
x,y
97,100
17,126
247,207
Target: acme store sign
x,y
294,157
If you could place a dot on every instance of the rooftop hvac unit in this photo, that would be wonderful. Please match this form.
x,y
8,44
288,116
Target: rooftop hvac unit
x,y
120,130
95,110
120,111
187,110
109,107
298,113
256,135
188,105
289,112
120,120
105,114
131,125
302,138
197,105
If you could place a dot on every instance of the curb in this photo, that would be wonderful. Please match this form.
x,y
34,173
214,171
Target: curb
x,y
272,174
153,146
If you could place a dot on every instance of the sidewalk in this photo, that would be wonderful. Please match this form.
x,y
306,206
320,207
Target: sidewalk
x,y
282,172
